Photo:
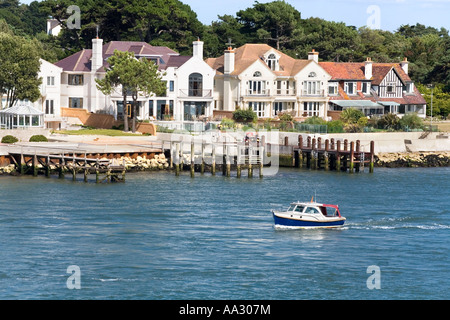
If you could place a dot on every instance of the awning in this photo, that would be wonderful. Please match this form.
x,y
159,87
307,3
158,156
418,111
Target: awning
x,y
357,104
388,103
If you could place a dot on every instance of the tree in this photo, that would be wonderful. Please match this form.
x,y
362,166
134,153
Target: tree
x,y
19,68
275,22
133,76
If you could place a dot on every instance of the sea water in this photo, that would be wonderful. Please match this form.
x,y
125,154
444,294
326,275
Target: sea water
x,y
158,236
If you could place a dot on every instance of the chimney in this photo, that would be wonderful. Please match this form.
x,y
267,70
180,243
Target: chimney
x,y
97,54
313,55
229,61
368,69
404,65
198,49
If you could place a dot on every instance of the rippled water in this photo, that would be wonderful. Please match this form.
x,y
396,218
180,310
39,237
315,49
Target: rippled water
x,y
164,237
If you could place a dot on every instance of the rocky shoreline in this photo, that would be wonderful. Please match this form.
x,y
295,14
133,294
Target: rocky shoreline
x,y
412,159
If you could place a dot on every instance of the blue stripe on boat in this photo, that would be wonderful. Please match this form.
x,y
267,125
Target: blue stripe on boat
x,y
300,223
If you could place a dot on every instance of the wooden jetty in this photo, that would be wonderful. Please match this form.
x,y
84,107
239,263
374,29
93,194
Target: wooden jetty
x,y
62,162
314,153
227,156
333,155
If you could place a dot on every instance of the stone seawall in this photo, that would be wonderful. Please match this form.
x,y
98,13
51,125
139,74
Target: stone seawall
x,y
413,159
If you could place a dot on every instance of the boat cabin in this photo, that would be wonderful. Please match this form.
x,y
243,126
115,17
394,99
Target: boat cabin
x,y
327,210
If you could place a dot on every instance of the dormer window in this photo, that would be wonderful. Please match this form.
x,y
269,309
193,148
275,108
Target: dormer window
x,y
272,62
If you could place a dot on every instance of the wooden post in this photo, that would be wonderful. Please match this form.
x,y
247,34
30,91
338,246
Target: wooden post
x,y
61,166
338,156
238,161
313,154
192,159
74,170
35,169
357,152
202,166
213,156
300,154
250,168
352,156
177,159
261,161
171,154
22,163
372,156
326,155
228,162
224,160
47,167
97,172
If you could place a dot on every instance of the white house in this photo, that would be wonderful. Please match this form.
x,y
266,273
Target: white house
x,y
258,77
189,82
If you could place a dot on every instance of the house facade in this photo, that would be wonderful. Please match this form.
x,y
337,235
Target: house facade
x,y
189,82
258,77
374,88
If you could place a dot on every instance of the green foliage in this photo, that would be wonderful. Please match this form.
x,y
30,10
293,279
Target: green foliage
x,y
411,121
19,67
286,117
315,120
351,115
441,99
9,139
247,115
38,138
389,121
335,126
227,124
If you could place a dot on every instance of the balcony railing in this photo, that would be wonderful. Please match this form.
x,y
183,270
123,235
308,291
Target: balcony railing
x,y
286,92
317,93
262,92
195,93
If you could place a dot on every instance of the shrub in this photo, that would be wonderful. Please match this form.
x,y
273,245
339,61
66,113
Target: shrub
x,y
227,123
352,128
9,139
411,121
315,120
247,115
286,117
38,138
389,121
351,115
335,126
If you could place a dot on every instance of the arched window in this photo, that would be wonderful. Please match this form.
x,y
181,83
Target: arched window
x,y
272,61
257,74
195,85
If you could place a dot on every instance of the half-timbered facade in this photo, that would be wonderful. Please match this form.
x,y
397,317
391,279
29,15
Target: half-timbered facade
x,y
374,88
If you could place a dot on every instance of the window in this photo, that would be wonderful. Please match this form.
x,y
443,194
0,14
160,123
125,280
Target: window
x,y
272,61
350,88
311,87
256,87
257,74
49,107
172,86
365,88
259,108
50,81
195,85
76,79
311,109
312,75
333,88
390,88
76,103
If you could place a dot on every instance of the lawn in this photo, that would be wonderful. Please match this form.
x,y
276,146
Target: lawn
x,y
97,132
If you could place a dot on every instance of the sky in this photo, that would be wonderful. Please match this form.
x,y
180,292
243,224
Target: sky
x,y
379,14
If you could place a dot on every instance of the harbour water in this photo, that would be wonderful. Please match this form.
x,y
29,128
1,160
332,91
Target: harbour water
x,y
159,236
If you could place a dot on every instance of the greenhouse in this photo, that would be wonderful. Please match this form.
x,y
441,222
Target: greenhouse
x,y
21,117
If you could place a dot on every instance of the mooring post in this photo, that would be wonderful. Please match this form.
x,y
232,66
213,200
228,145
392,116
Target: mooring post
x,y
47,167
202,166
213,160
171,154
326,155
97,171
192,159
238,161
61,166
338,156
250,169
300,154
372,156
74,170
313,154
352,155
228,161
261,161
177,159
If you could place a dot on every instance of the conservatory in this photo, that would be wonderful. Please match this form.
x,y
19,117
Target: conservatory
x,y
21,116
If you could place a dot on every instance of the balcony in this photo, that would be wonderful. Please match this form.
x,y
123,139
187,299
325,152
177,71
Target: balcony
x,y
286,92
195,93
309,93
258,93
